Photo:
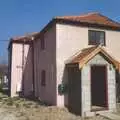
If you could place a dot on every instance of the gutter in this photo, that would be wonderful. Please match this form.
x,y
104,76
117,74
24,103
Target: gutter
x,y
23,62
33,68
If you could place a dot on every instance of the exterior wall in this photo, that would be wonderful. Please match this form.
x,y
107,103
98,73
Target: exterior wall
x,y
70,39
111,89
112,43
9,68
46,60
62,41
28,72
16,67
86,85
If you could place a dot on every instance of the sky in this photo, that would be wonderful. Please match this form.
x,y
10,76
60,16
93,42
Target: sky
x,y
19,17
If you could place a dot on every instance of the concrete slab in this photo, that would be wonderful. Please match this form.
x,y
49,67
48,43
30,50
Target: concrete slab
x,y
110,116
89,114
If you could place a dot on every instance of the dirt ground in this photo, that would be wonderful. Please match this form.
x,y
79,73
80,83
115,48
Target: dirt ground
x,y
23,109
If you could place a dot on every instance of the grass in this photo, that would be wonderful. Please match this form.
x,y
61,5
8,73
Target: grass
x,y
24,109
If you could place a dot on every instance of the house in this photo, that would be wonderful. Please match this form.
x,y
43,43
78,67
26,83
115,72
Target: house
x,y
73,61
20,68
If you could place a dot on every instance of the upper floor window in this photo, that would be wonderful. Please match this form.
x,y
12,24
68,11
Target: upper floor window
x,y
42,43
96,37
43,78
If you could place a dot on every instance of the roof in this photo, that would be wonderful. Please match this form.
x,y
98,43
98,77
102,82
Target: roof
x,y
83,56
91,18
27,37
23,39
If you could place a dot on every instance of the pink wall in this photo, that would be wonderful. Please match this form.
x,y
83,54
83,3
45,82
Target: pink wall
x,y
69,40
46,59
28,72
16,69
61,42
20,55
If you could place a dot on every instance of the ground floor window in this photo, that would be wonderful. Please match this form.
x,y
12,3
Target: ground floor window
x,y
43,77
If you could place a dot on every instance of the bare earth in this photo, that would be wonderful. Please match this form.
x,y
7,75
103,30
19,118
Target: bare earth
x,y
23,109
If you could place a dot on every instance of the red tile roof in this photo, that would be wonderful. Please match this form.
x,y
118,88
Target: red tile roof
x,y
25,38
84,52
91,18
88,53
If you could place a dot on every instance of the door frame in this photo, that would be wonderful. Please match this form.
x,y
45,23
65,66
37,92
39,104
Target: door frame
x,y
106,83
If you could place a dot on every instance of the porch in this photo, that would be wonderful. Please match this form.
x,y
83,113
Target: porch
x,y
92,82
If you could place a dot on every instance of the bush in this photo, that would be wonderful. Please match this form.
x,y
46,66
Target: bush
x,y
9,102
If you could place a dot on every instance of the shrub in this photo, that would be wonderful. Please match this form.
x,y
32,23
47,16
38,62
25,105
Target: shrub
x,y
10,101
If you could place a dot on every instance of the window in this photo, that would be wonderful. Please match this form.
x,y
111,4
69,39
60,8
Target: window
x,y
96,37
43,78
42,43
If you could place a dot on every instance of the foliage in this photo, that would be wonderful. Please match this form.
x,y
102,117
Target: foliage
x,y
62,89
1,87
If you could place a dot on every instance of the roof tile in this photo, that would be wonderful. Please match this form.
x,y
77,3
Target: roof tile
x,y
92,18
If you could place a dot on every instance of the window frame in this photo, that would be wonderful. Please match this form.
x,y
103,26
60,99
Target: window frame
x,y
90,42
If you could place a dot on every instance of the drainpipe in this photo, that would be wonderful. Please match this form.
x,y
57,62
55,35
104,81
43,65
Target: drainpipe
x,y
23,55
33,66
9,67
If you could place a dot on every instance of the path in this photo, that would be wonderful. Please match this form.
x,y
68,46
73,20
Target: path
x,y
110,116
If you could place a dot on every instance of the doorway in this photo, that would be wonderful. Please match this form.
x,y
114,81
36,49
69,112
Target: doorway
x,y
99,94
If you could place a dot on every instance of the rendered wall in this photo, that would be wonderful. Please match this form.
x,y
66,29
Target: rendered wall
x,y
46,60
19,56
70,39
86,85
28,72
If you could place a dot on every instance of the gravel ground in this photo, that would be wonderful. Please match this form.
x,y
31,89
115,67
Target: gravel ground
x,y
118,109
38,114
22,109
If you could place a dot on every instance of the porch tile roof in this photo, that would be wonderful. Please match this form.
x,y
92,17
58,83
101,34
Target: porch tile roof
x,y
86,54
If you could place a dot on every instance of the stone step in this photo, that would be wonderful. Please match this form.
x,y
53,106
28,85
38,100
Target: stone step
x,y
110,116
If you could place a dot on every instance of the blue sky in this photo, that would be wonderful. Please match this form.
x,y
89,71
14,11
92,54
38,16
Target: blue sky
x,y
19,17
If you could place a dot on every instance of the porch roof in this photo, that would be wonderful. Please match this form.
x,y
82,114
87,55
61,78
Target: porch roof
x,y
87,54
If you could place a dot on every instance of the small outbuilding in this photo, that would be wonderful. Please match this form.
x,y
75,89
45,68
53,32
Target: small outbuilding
x,y
92,81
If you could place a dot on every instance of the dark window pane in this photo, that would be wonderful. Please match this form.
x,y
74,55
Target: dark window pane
x,y
102,37
96,37
92,37
43,78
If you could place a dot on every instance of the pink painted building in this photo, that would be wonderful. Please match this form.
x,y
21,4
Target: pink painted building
x,y
61,64
21,65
